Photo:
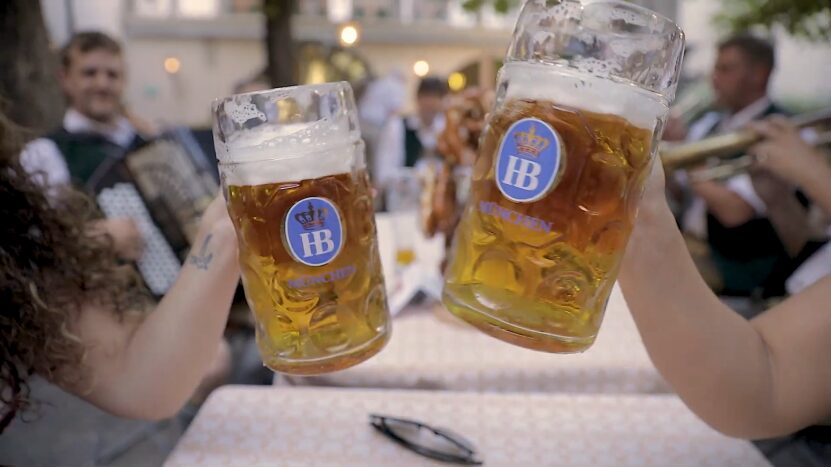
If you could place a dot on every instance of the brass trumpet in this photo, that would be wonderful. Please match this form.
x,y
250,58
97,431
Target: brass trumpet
x,y
727,146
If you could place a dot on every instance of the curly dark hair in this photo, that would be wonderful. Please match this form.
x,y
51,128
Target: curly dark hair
x,y
51,266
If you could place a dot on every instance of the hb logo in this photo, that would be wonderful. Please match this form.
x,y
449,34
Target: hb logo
x,y
313,231
528,160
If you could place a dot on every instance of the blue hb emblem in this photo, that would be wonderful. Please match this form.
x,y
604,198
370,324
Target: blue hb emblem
x,y
313,231
528,160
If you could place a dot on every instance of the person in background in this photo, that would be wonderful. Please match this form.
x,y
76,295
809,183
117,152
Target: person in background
x,y
787,164
96,128
743,244
404,141
382,101
73,314
751,379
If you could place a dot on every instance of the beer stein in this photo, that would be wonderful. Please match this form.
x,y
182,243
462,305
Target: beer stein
x,y
294,175
581,104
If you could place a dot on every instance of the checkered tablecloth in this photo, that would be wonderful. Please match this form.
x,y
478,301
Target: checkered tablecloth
x,y
253,426
431,349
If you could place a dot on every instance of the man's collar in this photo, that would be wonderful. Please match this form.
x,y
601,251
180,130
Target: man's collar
x,y
746,115
121,132
414,122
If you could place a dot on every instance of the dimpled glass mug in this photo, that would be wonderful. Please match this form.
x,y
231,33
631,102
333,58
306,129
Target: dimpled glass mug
x,y
581,104
294,175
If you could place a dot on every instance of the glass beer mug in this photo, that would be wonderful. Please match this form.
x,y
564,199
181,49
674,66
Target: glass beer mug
x,y
294,175
581,104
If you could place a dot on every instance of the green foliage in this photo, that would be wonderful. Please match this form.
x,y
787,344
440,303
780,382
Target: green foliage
x,y
501,6
809,19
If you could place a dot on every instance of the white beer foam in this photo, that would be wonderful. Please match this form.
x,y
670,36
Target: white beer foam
x,y
289,153
587,86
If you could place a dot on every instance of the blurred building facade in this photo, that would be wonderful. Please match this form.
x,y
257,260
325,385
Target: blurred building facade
x,y
217,43
800,80
214,44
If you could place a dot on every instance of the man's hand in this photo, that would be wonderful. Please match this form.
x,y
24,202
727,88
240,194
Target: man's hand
x,y
727,206
783,151
675,130
771,188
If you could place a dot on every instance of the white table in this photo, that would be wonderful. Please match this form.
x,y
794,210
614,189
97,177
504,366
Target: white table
x,y
429,351
251,426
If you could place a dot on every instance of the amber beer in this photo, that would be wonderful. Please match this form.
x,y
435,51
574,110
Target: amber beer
x,y
554,197
582,97
303,213
547,267
305,312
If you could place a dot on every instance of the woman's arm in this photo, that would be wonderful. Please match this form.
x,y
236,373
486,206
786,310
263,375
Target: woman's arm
x,y
149,368
747,379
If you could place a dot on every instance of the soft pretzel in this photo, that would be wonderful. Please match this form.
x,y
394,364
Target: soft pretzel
x,y
457,145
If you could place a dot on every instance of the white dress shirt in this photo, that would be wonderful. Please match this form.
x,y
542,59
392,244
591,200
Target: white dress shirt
x,y
695,219
811,271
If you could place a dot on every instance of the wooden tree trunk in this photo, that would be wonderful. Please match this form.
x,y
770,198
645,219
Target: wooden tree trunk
x,y
28,68
282,69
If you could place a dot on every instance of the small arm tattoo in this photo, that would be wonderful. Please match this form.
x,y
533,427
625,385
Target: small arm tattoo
x,y
203,259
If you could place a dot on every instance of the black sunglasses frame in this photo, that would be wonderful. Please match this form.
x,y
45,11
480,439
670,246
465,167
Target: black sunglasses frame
x,y
379,422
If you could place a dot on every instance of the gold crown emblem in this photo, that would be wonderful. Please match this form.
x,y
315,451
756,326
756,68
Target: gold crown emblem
x,y
313,218
529,142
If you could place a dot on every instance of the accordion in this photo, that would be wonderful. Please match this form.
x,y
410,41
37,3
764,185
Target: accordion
x,y
164,185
